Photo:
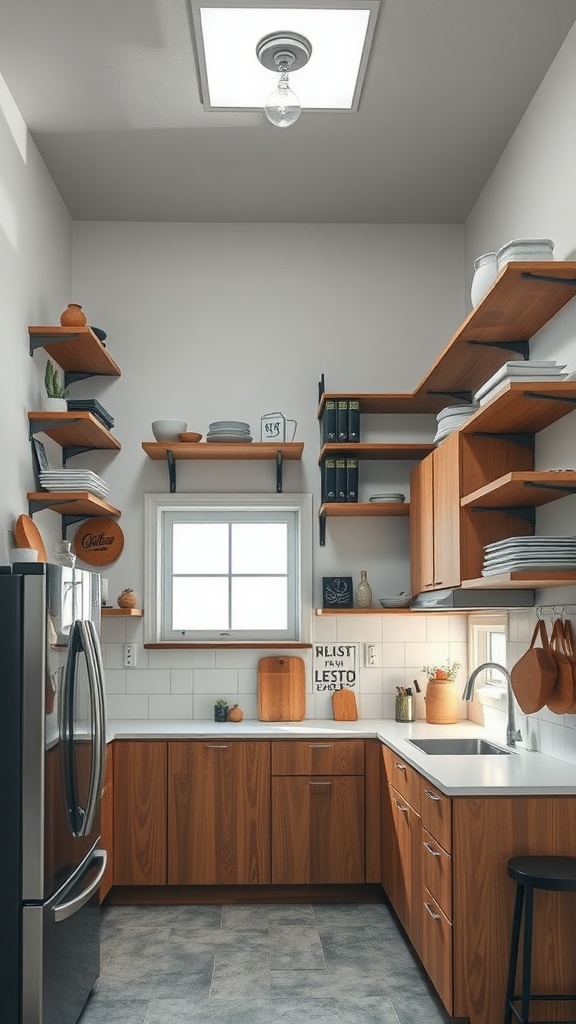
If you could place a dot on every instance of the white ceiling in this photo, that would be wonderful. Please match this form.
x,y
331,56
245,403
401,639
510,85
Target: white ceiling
x,y
110,94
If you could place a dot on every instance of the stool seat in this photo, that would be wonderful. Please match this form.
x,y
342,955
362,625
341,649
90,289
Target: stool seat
x,y
556,874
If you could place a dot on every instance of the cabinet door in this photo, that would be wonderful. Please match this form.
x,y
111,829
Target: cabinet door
x,y
401,863
437,948
422,527
446,516
219,813
317,830
107,825
140,812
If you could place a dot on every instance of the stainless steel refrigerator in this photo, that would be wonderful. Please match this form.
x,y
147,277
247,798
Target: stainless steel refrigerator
x,y
52,716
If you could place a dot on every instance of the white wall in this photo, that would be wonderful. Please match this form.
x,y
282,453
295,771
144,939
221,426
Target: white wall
x,y
531,195
35,277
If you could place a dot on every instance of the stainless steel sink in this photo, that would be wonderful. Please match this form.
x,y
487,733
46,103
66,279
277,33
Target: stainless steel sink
x,y
458,745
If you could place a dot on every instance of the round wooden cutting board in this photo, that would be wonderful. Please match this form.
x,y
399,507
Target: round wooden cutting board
x,y
27,535
98,541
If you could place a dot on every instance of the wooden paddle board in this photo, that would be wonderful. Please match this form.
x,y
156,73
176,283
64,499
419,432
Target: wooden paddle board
x,y
344,705
281,689
27,535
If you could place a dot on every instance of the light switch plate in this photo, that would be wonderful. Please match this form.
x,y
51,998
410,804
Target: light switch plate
x,y
372,656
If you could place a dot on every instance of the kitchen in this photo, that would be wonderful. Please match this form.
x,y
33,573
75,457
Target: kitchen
x,y
157,287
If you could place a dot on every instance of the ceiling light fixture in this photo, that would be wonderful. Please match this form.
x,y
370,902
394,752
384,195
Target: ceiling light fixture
x,y
284,52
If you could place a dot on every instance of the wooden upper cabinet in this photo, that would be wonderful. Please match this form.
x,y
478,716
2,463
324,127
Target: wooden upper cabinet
x,y
219,812
140,812
435,519
421,527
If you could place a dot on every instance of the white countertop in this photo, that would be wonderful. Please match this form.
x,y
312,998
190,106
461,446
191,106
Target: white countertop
x,y
522,773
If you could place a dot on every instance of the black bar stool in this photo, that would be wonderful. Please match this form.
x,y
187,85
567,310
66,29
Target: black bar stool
x,y
529,873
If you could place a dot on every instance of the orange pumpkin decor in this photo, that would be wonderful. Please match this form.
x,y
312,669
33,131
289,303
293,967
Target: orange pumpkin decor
x,y
235,714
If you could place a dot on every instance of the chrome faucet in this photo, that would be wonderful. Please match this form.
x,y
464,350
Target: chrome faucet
x,y
512,734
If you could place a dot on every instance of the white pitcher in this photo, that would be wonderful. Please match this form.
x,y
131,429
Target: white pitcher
x,y
274,426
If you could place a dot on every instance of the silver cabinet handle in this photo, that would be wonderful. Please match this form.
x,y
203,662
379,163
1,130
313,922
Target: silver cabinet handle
x,y
431,849
317,783
401,767
401,808
320,746
216,746
431,795
431,912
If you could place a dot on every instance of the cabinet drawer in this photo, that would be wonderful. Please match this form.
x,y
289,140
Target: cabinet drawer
x,y
437,872
436,809
403,777
317,757
437,948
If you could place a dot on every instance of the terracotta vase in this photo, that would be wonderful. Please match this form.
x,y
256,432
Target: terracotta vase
x,y
441,702
73,316
235,714
127,599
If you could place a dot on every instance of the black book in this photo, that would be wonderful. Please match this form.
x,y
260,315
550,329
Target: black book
x,y
353,420
329,480
328,421
91,405
341,485
342,420
352,479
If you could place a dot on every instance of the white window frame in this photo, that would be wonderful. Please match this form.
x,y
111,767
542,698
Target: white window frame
x,y
155,505
491,687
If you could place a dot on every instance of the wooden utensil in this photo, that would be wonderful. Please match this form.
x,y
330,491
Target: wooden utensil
x,y
344,705
281,689
27,535
534,674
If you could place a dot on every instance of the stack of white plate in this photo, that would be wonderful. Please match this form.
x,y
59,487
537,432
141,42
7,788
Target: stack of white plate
x,y
228,431
451,418
515,553
524,370
389,497
74,480
525,249
395,601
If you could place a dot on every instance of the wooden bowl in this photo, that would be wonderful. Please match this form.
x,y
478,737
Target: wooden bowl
x,y
189,437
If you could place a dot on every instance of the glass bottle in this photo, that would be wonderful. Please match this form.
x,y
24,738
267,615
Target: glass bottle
x,y
63,555
363,591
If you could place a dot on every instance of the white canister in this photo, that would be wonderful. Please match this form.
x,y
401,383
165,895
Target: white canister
x,y
485,273
23,555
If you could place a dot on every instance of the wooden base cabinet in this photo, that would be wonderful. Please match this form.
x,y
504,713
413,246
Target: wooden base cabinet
x,y
140,812
401,842
218,812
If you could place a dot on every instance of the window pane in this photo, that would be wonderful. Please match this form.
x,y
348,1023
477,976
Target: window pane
x,y
200,603
200,547
259,547
259,602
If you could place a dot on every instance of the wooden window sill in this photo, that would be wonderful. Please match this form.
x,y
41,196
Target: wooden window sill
x,y
227,645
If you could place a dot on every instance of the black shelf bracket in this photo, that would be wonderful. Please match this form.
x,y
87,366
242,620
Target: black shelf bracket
x,y
71,376
322,525
69,453
279,461
521,346
171,470
566,488
462,396
40,340
40,426
321,388
524,440
551,398
527,275
524,512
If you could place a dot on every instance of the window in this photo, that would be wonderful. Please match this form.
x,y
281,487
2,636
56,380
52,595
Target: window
x,y
226,568
487,642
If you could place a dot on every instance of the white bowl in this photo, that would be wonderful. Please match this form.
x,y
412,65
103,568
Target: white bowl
x,y
168,430
485,272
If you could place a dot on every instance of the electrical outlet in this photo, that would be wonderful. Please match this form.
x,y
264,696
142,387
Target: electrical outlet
x,y
372,657
129,655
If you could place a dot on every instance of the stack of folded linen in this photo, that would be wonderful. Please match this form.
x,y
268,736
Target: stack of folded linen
x,y
523,370
541,553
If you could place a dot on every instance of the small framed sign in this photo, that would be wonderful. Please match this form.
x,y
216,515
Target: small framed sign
x,y
337,592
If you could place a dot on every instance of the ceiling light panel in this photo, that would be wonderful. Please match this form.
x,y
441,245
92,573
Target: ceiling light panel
x,y
232,77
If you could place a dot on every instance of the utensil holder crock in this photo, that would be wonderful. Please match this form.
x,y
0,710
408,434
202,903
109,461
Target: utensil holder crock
x,y
404,708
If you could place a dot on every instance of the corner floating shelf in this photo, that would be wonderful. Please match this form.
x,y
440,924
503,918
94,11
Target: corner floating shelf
x,y
133,613
75,432
172,452
391,404
357,510
523,580
77,351
517,489
414,451
73,506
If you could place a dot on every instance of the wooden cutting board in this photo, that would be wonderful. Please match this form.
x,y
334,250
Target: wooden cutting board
x,y
281,690
344,705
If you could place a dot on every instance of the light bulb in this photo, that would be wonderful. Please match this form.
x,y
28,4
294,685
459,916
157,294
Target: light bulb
x,y
282,107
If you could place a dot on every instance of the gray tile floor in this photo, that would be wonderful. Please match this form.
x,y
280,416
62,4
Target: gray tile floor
x,y
259,964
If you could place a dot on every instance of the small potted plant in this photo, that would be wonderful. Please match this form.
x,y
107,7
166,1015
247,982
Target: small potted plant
x,y
441,697
221,710
56,392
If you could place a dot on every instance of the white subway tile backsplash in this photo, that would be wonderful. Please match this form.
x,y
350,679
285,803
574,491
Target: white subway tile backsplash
x,y
239,659
458,628
437,628
127,706
404,627
370,705
217,682
387,705
325,630
115,680
393,677
113,630
147,681
358,628
370,681
392,654
113,655
247,680
203,704
171,706
181,680
183,658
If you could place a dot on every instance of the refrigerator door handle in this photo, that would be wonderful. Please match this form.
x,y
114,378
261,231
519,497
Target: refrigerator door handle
x,y
64,910
94,662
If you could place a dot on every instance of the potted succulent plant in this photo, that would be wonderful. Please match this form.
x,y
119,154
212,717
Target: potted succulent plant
x,y
56,392
221,710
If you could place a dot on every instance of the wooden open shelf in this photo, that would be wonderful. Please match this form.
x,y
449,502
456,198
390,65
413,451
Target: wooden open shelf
x,y
524,580
393,404
414,451
363,611
74,429
133,613
71,503
526,488
514,309
212,451
352,510
520,407
76,349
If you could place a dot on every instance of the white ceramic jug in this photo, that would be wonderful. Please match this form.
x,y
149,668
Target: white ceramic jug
x,y
274,427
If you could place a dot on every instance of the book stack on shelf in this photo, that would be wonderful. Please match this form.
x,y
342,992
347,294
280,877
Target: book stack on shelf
x,y
340,421
340,480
